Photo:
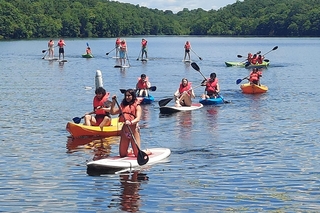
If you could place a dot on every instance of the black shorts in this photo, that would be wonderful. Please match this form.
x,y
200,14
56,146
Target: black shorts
x,y
61,50
187,51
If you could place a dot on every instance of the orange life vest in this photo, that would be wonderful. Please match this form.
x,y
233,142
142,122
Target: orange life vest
x,y
123,46
187,46
129,112
144,43
211,86
97,103
185,89
142,84
254,76
118,42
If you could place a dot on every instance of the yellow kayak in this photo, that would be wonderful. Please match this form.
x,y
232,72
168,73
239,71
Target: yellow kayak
x,y
79,130
250,88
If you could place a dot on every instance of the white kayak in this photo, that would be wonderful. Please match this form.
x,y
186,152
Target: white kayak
x,y
173,109
116,164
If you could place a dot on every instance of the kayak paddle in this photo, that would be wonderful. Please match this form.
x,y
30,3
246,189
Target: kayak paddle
x,y
197,68
139,55
43,51
238,81
276,47
77,120
142,157
152,88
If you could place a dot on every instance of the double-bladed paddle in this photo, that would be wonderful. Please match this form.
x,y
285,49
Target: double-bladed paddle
x,y
197,68
165,101
238,81
142,157
77,120
152,88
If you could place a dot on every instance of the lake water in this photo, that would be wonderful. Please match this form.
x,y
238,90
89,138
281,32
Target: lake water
x,y
259,153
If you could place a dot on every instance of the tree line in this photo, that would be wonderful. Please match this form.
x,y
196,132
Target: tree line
x,y
25,19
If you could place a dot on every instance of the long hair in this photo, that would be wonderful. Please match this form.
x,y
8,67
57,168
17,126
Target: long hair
x,y
133,100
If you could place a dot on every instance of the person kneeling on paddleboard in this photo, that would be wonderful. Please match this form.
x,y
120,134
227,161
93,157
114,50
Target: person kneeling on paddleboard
x,y
184,94
101,109
131,115
212,87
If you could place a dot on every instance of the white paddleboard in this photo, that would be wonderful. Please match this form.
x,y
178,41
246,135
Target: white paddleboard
x,y
115,163
62,60
187,61
144,59
115,57
119,66
173,109
50,59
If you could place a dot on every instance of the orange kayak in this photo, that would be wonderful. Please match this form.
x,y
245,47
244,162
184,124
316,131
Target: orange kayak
x,y
249,88
79,130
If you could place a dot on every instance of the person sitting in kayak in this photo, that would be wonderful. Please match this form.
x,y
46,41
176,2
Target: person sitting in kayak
x,y
88,51
249,57
254,76
184,94
143,85
101,109
260,59
212,87
131,115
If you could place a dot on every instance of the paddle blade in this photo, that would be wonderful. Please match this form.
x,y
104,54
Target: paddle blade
x,y
142,158
238,81
276,47
77,120
239,56
195,66
123,91
107,53
43,51
164,102
266,60
258,52
200,58
153,88
87,44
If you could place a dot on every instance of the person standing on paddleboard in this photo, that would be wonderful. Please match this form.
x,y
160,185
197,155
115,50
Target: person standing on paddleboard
x,y
61,45
131,115
143,85
212,87
101,109
117,46
144,48
187,48
51,48
184,94
123,52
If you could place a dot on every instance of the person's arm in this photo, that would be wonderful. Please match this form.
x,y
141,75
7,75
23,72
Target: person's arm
x,y
177,93
138,115
218,88
148,84
192,94
113,110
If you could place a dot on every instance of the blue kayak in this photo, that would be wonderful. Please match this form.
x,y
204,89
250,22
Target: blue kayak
x,y
146,100
212,101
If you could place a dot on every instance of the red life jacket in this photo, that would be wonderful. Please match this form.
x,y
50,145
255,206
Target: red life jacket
x,y
144,43
118,42
61,43
142,84
97,102
186,88
260,60
187,46
254,76
129,112
211,86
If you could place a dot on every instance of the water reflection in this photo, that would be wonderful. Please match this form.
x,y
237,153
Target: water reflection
x,y
184,123
101,147
145,116
212,117
130,183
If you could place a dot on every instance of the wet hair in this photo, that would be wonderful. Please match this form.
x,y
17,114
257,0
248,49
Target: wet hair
x,y
213,75
100,90
134,97
143,76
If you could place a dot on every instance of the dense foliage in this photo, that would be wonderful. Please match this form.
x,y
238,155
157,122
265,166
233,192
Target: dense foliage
x,y
103,18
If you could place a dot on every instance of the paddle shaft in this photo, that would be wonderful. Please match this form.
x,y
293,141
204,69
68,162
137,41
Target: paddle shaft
x,y
110,51
196,54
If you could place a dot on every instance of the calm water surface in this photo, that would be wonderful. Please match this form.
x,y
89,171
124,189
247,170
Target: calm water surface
x,y
260,153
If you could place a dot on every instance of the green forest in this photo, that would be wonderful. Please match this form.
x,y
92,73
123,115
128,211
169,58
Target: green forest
x,y
27,19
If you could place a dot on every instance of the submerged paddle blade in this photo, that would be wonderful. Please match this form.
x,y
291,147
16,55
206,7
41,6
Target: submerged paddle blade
x,y
195,66
164,102
142,158
77,120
